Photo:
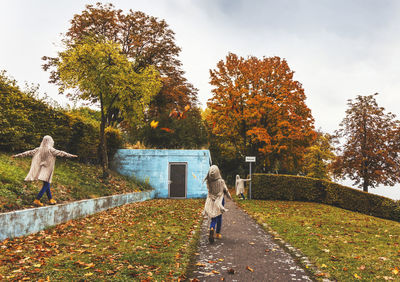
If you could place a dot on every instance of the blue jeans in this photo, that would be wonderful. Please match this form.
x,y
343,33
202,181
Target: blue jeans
x,y
244,198
45,188
217,220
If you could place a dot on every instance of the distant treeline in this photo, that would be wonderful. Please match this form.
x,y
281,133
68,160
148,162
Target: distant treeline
x,y
25,119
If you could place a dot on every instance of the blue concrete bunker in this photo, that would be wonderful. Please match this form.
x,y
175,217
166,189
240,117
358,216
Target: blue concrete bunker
x,y
172,173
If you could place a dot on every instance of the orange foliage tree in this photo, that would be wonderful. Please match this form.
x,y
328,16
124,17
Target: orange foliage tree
x,y
260,109
370,152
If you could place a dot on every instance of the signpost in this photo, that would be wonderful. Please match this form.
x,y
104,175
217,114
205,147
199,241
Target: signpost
x,y
250,159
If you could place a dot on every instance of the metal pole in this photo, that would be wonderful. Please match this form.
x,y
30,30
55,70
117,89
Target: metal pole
x,y
250,183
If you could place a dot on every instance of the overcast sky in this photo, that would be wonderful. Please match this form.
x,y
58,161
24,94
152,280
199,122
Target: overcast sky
x,y
338,48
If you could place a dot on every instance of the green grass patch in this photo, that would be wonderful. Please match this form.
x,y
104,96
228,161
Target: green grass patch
x,y
139,241
71,181
344,245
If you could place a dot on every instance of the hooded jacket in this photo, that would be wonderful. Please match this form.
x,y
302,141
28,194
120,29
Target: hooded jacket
x,y
216,189
43,161
239,184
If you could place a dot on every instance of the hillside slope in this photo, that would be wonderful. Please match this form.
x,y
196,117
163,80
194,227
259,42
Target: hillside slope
x,y
71,181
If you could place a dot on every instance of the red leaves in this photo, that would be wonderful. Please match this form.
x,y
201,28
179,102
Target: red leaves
x,y
179,115
256,101
370,152
167,129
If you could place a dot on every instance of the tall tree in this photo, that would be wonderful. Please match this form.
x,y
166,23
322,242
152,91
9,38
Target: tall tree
x,y
100,73
146,41
319,156
370,152
260,109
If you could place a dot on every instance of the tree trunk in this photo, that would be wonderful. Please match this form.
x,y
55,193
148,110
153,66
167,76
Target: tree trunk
x,y
103,145
365,186
364,171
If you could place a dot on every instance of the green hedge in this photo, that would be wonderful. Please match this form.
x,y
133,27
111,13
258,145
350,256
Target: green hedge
x,y
299,188
24,120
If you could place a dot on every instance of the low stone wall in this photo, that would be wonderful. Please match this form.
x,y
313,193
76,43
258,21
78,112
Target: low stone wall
x,y
23,222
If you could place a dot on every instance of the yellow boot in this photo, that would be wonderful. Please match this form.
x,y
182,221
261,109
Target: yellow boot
x,y
38,203
53,202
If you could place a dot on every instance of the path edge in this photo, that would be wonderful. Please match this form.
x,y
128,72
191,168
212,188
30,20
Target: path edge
x,y
296,253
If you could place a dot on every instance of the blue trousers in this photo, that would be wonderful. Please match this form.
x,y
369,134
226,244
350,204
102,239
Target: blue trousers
x,y
45,188
217,221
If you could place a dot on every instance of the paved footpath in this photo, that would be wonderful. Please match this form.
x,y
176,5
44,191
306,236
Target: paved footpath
x,y
245,250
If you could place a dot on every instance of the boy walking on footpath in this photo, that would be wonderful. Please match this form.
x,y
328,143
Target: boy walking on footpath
x,y
42,166
214,206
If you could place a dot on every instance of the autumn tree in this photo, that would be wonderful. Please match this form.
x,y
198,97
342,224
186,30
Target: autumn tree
x,y
260,109
319,156
175,133
98,72
146,41
370,152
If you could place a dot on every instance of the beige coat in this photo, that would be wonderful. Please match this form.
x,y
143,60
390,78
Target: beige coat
x,y
239,185
216,190
43,161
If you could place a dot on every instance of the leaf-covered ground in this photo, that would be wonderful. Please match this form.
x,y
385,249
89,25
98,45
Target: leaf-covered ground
x,y
151,240
71,181
345,245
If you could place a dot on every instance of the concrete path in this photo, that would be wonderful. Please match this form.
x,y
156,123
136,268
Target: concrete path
x,y
245,253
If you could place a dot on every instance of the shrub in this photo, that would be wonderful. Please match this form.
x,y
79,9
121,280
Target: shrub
x,y
299,188
24,120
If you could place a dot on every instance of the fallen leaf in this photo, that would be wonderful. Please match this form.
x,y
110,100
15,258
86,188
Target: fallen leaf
x,y
362,267
89,265
357,276
89,274
231,271
169,130
382,258
215,272
395,271
249,268
200,264
345,268
153,124
323,265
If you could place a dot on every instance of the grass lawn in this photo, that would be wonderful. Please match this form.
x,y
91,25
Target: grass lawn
x,y
71,181
151,240
345,245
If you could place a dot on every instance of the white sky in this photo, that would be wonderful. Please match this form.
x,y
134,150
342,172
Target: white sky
x,y
338,48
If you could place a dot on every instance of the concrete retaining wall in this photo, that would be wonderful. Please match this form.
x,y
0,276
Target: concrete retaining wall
x,y
23,222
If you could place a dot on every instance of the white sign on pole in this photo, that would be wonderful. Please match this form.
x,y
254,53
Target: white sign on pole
x,y
250,159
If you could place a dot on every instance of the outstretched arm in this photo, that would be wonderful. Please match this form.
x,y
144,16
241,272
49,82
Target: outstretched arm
x,y
226,191
59,153
26,153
